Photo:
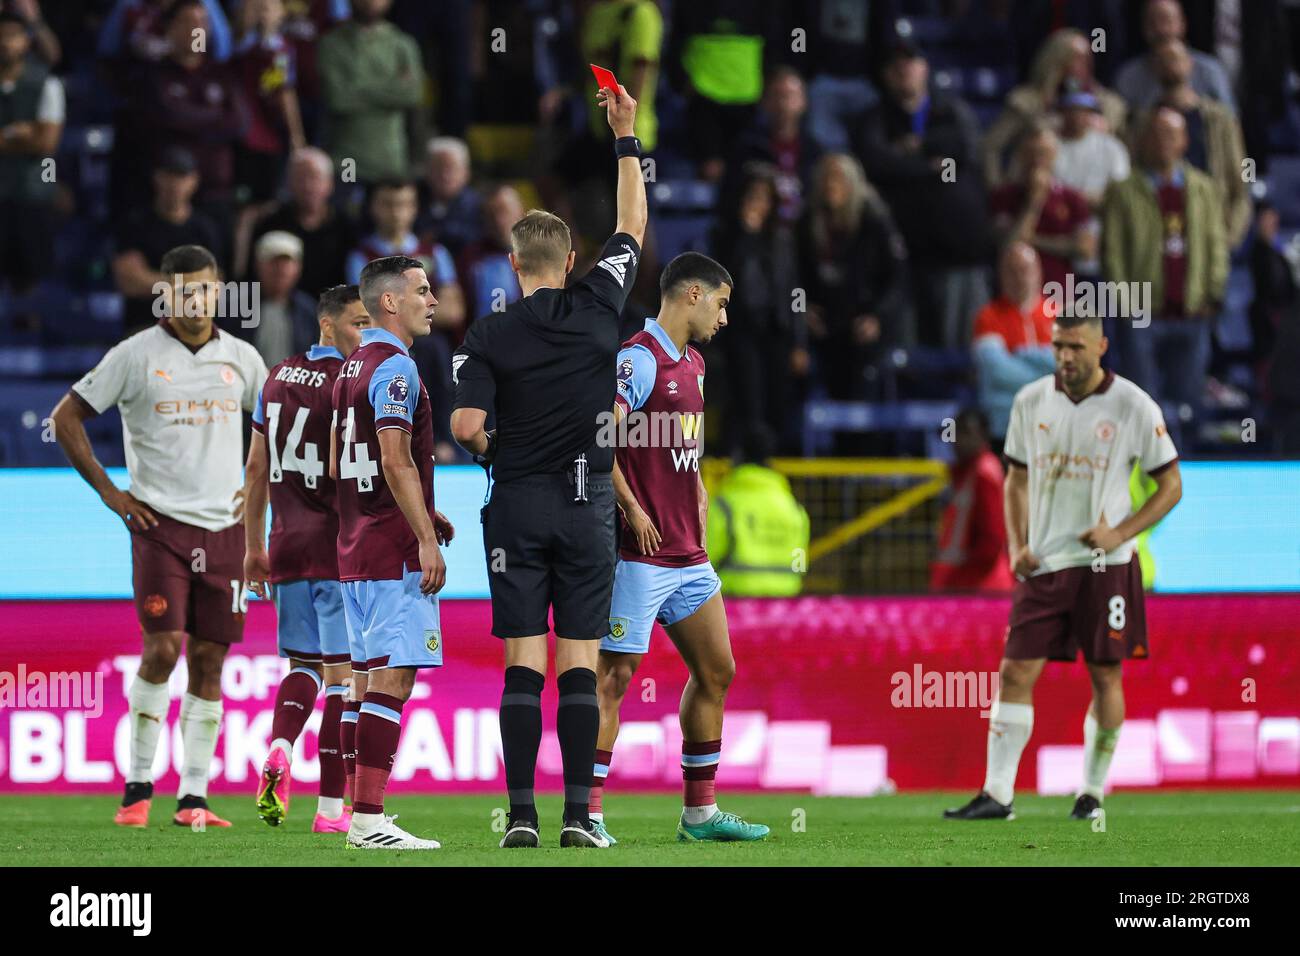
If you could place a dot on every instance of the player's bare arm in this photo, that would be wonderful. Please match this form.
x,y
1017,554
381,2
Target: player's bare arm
x,y
620,110
648,538
334,454
70,432
467,428
403,480
1169,491
647,535
257,563
1015,495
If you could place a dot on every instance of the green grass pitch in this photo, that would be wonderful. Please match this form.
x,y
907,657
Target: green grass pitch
x,y
1259,828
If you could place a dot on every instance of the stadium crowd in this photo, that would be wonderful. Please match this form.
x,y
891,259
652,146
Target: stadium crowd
x,y
894,183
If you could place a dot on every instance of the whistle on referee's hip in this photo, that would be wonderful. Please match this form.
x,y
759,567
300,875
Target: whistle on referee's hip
x,y
579,478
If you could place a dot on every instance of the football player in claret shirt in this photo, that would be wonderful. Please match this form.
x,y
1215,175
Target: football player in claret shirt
x,y
663,571
1072,444
287,463
390,564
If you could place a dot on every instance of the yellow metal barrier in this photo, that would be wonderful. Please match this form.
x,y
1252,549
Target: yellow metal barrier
x,y
874,521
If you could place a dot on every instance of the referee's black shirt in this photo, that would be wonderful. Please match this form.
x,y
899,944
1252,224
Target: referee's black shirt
x,y
546,367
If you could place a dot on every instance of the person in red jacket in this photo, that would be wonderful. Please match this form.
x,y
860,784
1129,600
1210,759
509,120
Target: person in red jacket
x,y
972,536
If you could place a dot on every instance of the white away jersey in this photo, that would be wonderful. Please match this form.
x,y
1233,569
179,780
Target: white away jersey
x,y
1079,456
181,422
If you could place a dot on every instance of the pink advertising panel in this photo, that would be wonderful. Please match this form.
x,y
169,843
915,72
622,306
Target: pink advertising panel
x,y
847,696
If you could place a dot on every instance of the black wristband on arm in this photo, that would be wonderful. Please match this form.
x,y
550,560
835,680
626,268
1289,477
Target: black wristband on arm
x,y
627,146
489,454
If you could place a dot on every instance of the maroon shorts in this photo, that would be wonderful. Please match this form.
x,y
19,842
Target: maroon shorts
x,y
1099,612
188,579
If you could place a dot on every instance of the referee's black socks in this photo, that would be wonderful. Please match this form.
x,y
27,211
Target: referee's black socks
x,y
577,723
521,736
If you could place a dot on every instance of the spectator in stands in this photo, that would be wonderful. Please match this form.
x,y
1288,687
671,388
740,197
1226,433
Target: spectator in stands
x,y
454,213
1037,208
972,534
44,41
264,62
1255,43
846,38
625,36
327,236
306,21
371,74
756,530
187,99
765,349
1013,336
286,316
1214,143
1088,157
779,135
716,53
853,265
148,233
913,145
1275,285
1163,227
138,29
487,278
1064,63
1138,80
31,124
393,208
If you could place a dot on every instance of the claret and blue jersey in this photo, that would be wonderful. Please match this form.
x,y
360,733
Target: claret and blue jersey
x,y
661,394
390,623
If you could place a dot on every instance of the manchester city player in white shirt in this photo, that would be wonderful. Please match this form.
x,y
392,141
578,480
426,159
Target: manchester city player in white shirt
x,y
1072,443
180,387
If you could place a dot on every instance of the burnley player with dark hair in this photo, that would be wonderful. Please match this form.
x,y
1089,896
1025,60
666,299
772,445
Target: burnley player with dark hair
x,y
663,571
390,565
287,465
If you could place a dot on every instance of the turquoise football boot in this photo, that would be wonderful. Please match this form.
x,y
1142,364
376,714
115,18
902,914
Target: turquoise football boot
x,y
721,827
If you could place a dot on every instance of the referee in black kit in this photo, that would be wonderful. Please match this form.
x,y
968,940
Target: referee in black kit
x,y
545,368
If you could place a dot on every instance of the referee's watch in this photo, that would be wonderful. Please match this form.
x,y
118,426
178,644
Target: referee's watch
x,y
627,146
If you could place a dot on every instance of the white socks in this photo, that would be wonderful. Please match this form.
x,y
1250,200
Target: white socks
x,y
697,815
147,705
1009,728
330,807
1098,749
200,725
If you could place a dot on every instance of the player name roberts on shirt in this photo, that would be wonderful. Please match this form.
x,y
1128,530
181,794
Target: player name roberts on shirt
x,y
181,423
294,412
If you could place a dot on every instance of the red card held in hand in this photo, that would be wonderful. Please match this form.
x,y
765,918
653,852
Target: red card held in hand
x,y
604,78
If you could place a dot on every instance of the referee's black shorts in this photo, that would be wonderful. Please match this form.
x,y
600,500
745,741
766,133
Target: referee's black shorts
x,y
545,550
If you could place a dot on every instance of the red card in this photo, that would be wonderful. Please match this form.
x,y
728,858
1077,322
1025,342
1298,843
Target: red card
x,y
604,78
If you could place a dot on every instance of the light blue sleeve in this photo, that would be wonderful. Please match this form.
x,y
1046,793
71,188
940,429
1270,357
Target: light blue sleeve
x,y
222,37
259,417
636,377
356,261
110,34
395,390
444,269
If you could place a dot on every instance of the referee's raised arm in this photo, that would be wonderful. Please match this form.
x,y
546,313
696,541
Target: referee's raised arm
x,y
620,110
